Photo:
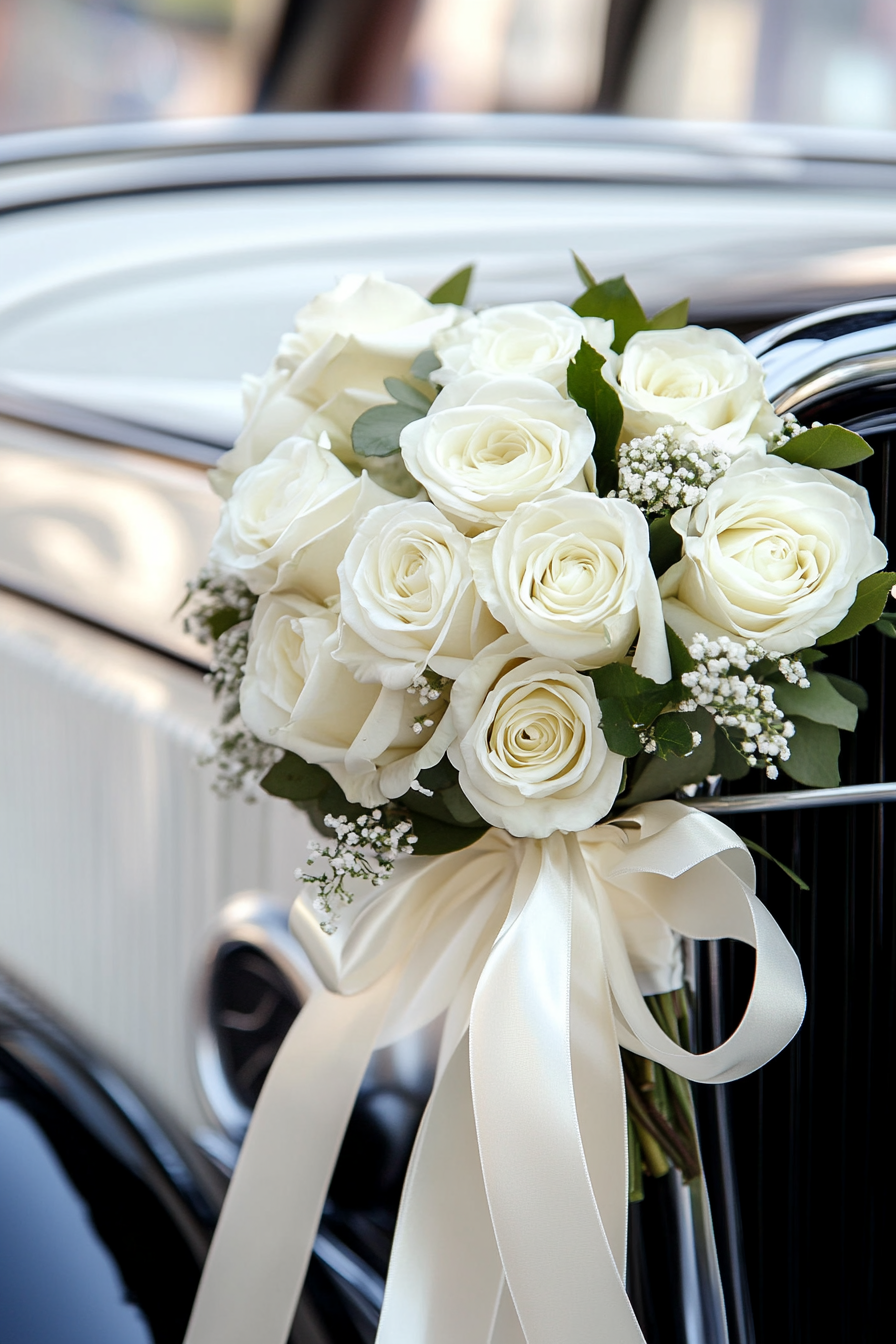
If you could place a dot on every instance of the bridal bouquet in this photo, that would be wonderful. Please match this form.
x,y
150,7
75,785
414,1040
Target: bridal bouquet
x,y
486,586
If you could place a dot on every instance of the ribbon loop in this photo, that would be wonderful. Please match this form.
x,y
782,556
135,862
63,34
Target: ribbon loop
x,y
513,1218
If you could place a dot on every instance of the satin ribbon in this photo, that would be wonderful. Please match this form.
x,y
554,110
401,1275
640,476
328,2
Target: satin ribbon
x,y
512,1225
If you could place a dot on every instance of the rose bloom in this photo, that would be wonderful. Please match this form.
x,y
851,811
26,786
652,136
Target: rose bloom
x,y
290,518
529,340
408,599
774,553
332,368
529,751
489,445
571,575
705,380
284,638
363,734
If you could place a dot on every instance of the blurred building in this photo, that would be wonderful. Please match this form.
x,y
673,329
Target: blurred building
x,y
830,62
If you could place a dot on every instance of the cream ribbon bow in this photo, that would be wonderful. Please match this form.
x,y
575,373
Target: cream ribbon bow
x,y
513,1219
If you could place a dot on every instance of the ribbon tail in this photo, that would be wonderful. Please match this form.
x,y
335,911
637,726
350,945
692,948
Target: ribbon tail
x,y
559,1264
445,1274
270,1216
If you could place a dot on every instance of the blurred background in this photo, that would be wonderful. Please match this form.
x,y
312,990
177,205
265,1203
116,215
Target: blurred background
x,y
827,62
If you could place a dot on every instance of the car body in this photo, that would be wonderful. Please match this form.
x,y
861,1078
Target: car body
x,y
142,271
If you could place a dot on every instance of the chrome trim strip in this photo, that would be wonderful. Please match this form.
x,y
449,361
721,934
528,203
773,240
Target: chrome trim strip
x,y
797,799
856,373
105,428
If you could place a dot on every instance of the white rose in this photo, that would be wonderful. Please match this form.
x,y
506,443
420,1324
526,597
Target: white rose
x,y
706,380
299,495
773,553
571,575
529,340
491,444
408,599
529,751
332,368
363,734
284,638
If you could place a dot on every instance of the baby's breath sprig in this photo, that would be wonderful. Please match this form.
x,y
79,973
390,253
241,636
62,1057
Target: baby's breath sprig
x,y
671,469
743,703
790,429
364,849
213,603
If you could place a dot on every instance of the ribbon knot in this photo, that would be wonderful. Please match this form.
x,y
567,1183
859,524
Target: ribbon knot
x,y
512,1225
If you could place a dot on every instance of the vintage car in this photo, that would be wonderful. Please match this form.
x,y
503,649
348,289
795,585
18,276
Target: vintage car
x,y
143,270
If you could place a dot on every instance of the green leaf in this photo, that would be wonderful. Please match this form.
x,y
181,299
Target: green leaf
x,y
460,808
440,837
426,363
613,299
679,657
442,775
794,877
407,395
887,624
584,274
617,729
673,736
668,319
820,701
814,751
809,657
587,386
828,446
660,778
376,432
296,780
665,544
454,289
850,690
221,620
729,762
871,595
621,682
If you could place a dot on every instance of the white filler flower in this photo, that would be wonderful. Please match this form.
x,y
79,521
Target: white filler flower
x,y
774,553
705,380
407,598
529,751
332,367
532,340
571,575
491,444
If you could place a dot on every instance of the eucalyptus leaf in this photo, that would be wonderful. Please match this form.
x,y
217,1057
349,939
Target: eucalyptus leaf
x,y
814,752
665,544
407,395
871,595
295,779
426,363
454,289
376,432
671,318
820,701
828,446
617,728
587,387
659,778
613,300
794,877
